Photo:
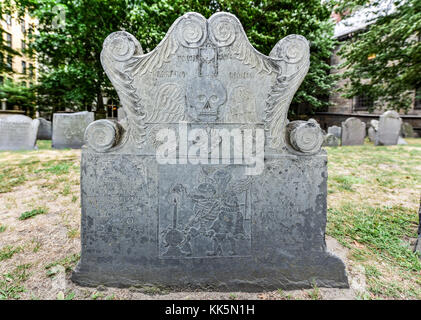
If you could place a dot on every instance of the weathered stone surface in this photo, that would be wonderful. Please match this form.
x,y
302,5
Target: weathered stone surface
x,y
407,130
44,130
372,130
18,132
402,141
335,130
389,129
353,132
69,129
330,140
205,225
120,114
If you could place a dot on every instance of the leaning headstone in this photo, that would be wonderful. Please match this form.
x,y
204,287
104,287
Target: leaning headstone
x,y
353,132
335,130
18,132
167,198
407,130
389,129
330,140
44,130
69,129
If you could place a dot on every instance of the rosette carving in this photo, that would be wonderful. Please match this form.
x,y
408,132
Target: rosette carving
x,y
292,49
192,31
102,135
120,45
222,30
304,136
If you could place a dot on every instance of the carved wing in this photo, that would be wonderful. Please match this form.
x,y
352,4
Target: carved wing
x,y
292,55
170,104
122,58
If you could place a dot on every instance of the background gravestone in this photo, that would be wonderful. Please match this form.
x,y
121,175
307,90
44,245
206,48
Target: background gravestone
x,y
69,129
372,130
335,130
353,132
44,130
389,129
18,132
330,140
205,225
407,130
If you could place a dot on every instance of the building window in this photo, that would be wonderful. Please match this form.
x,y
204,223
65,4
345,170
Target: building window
x,y
8,39
31,70
363,103
23,45
417,104
8,19
30,29
23,67
22,26
9,61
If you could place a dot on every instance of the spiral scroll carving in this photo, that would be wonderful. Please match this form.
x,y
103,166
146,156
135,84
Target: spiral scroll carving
x,y
305,136
102,135
121,45
192,31
222,30
292,48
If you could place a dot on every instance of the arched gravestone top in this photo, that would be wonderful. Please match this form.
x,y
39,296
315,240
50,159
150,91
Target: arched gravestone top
x,y
353,132
205,225
389,128
210,60
18,132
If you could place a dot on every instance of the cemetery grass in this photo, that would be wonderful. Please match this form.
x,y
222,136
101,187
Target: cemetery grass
x,y
373,199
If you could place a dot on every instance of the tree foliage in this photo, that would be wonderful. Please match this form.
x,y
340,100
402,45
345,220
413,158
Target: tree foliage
x,y
73,76
19,95
383,61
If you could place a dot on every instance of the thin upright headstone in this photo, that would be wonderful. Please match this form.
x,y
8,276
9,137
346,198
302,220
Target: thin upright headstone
x,y
169,199
335,130
69,129
18,132
389,129
44,130
353,132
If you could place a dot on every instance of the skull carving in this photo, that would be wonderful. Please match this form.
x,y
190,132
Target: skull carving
x,y
205,96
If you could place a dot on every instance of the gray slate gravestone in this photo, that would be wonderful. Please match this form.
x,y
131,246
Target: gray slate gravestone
x,y
18,132
330,140
44,130
69,129
372,130
389,129
335,130
407,130
208,225
353,132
